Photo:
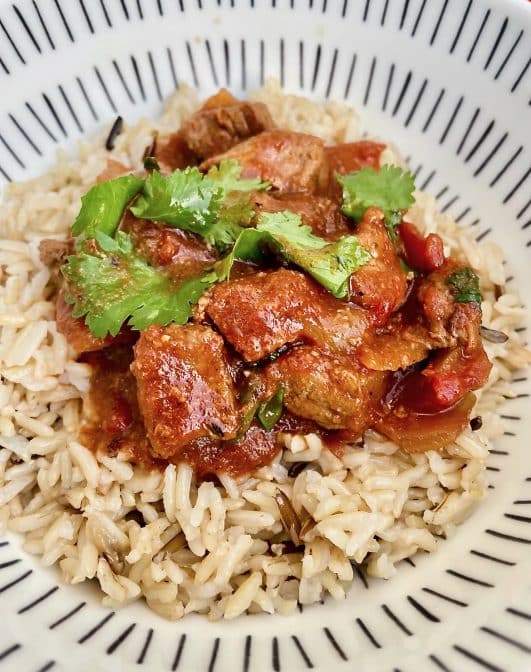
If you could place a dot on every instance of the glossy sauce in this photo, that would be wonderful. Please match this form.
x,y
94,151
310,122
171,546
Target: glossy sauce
x,y
336,359
405,419
114,423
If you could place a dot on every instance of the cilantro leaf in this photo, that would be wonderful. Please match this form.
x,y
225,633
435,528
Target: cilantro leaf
x,y
235,214
331,264
111,284
465,284
251,245
269,412
287,228
103,205
228,176
182,199
203,204
236,211
390,189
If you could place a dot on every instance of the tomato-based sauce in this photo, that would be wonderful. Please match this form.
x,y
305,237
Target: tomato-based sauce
x,y
302,336
113,420
114,423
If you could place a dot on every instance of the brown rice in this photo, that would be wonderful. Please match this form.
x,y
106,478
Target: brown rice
x,y
215,549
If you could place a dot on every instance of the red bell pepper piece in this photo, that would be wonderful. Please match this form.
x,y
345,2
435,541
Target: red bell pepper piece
x,y
423,254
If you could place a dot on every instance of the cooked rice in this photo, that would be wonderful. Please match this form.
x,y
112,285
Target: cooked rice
x,y
215,549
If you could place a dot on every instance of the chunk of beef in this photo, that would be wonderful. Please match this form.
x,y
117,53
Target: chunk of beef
x,y
172,152
76,331
336,393
379,286
392,351
346,158
221,98
182,254
184,387
448,322
321,214
260,313
289,161
53,254
213,130
400,343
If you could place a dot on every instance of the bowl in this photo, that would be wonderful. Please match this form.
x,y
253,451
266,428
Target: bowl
x,y
450,83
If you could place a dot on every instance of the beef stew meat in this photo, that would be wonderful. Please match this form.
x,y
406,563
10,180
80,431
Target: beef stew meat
x,y
260,313
182,254
217,129
289,161
321,214
381,285
185,391
401,353
334,392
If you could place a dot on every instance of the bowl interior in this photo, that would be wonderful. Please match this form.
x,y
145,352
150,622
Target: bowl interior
x,y
449,84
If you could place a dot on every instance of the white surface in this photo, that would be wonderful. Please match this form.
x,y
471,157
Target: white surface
x,y
459,626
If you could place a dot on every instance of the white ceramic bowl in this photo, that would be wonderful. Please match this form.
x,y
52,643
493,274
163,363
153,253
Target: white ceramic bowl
x,y
450,82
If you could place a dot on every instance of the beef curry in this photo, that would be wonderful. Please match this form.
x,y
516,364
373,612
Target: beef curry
x,y
269,349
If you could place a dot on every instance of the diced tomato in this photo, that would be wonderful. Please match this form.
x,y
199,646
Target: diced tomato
x,y
422,254
452,374
444,382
